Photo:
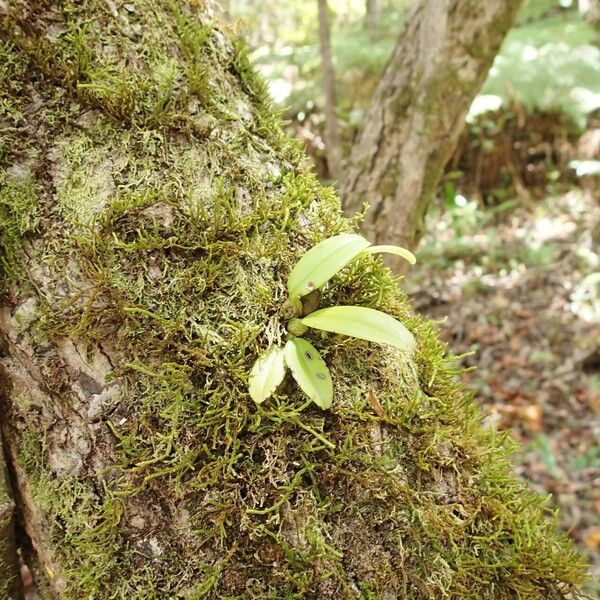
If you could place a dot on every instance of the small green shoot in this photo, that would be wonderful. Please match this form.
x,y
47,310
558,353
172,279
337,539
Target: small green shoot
x,y
312,271
296,327
363,323
397,250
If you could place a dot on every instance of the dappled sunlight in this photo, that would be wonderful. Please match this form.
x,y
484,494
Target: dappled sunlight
x,y
549,228
585,298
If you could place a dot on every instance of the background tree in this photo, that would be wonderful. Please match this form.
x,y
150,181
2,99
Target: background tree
x,y
372,17
590,9
418,110
151,211
332,136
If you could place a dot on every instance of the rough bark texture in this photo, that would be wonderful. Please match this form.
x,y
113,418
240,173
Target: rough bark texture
x,y
150,212
415,117
332,136
9,568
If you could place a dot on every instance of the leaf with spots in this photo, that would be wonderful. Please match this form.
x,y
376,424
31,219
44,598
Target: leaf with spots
x,y
322,262
310,371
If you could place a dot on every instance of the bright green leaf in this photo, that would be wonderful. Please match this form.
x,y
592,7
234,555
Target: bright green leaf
x,y
397,250
267,373
310,371
322,262
364,323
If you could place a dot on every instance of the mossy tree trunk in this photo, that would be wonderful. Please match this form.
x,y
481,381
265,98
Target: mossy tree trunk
x,y
150,212
418,110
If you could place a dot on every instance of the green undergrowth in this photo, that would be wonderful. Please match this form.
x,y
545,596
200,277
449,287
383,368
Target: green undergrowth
x,y
169,249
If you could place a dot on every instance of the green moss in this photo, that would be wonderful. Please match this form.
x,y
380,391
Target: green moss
x,y
18,216
171,250
12,67
155,95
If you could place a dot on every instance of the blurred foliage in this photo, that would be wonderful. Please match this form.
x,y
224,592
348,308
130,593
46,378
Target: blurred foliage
x,y
285,39
549,61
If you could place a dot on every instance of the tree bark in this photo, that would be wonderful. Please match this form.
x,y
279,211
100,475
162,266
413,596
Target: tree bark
x,y
332,136
9,567
373,17
151,210
590,10
415,117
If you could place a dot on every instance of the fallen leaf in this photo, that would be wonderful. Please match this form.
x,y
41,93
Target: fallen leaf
x,y
592,539
375,404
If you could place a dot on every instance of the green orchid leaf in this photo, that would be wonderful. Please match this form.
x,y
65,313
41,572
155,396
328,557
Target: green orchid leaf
x,y
397,250
363,323
310,371
322,262
266,374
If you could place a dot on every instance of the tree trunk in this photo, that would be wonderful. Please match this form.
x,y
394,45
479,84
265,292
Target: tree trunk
x,y
590,10
373,17
415,117
150,212
332,136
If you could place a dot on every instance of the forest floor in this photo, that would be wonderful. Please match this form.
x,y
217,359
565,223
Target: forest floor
x,y
518,289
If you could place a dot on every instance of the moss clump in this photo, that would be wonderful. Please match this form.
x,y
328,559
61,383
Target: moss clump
x,y
156,475
18,211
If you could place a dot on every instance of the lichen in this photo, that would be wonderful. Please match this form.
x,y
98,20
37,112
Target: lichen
x,y
177,210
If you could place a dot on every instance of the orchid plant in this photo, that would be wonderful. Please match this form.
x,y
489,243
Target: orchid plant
x,y
314,269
